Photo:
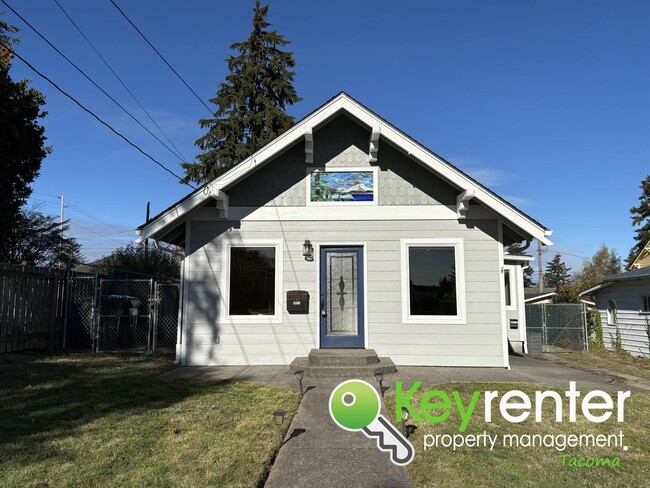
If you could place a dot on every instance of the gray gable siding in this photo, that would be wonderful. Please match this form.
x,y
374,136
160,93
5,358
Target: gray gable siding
x,y
342,143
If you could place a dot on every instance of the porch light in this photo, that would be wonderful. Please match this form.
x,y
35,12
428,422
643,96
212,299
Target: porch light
x,y
379,376
308,250
299,376
278,420
405,417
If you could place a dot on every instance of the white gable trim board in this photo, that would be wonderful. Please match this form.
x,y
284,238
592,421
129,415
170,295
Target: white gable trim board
x,y
364,294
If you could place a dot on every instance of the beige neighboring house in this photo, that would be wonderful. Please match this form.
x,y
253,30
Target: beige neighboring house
x,y
532,296
643,259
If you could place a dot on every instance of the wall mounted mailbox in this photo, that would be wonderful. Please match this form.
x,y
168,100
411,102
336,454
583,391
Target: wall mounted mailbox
x,y
297,301
514,323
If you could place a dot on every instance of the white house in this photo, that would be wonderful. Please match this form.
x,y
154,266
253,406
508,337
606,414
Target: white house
x,y
344,232
624,305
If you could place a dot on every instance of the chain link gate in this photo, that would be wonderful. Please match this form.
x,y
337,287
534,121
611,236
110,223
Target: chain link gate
x,y
125,315
111,315
562,326
80,316
166,301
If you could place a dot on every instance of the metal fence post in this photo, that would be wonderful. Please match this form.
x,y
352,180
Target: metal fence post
x,y
544,336
97,310
66,304
584,326
156,311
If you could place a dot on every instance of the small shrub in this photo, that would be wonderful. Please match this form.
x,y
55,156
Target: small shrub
x,y
617,344
595,329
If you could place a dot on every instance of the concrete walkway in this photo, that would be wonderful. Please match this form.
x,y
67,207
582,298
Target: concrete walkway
x,y
317,453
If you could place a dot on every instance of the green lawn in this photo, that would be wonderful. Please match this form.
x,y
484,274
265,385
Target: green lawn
x,y
626,364
100,420
532,466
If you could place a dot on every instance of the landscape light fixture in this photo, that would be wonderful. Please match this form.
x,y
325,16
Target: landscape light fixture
x,y
405,417
379,376
308,250
299,376
278,420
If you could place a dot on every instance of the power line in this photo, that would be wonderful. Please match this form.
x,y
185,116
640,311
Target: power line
x,y
87,214
99,234
178,152
90,112
92,81
162,57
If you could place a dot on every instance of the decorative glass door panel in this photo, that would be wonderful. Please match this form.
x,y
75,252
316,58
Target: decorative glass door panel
x,y
342,297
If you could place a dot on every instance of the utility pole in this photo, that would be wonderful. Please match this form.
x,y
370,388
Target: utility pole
x,y
146,241
540,282
62,197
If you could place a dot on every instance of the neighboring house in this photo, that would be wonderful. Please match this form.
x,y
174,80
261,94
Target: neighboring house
x,y
643,259
534,297
624,305
344,232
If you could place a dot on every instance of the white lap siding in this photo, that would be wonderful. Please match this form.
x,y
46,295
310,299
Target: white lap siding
x,y
632,323
211,339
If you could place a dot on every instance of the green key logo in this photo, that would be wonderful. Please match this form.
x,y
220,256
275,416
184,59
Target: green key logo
x,y
355,405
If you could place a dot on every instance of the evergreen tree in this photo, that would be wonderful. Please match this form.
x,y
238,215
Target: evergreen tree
x,y
21,142
640,217
528,277
517,248
556,274
250,103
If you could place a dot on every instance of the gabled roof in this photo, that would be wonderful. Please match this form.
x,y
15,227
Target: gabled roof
x,y
635,274
342,103
643,256
533,298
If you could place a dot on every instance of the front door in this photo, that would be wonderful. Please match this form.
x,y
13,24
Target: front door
x,y
341,297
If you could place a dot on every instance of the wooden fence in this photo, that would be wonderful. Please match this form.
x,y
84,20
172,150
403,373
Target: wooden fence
x,y
31,308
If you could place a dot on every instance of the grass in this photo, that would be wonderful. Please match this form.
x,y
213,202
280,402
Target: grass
x,y
532,466
626,364
98,420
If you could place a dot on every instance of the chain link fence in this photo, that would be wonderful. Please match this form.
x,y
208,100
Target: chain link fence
x,y
560,326
112,315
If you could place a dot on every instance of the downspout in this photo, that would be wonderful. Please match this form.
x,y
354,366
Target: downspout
x,y
177,360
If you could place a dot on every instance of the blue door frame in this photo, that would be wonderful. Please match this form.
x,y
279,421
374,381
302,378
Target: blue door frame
x,y
353,341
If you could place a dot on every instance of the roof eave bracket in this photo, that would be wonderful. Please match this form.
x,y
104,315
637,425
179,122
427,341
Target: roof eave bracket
x,y
373,149
462,202
309,146
222,201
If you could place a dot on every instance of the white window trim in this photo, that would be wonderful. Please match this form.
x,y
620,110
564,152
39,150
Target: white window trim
x,y
459,254
276,318
641,310
511,270
359,169
611,313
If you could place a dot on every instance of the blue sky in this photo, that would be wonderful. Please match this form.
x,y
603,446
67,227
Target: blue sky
x,y
546,103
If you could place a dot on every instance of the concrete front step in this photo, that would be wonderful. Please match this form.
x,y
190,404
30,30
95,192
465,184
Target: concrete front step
x,y
343,357
342,362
